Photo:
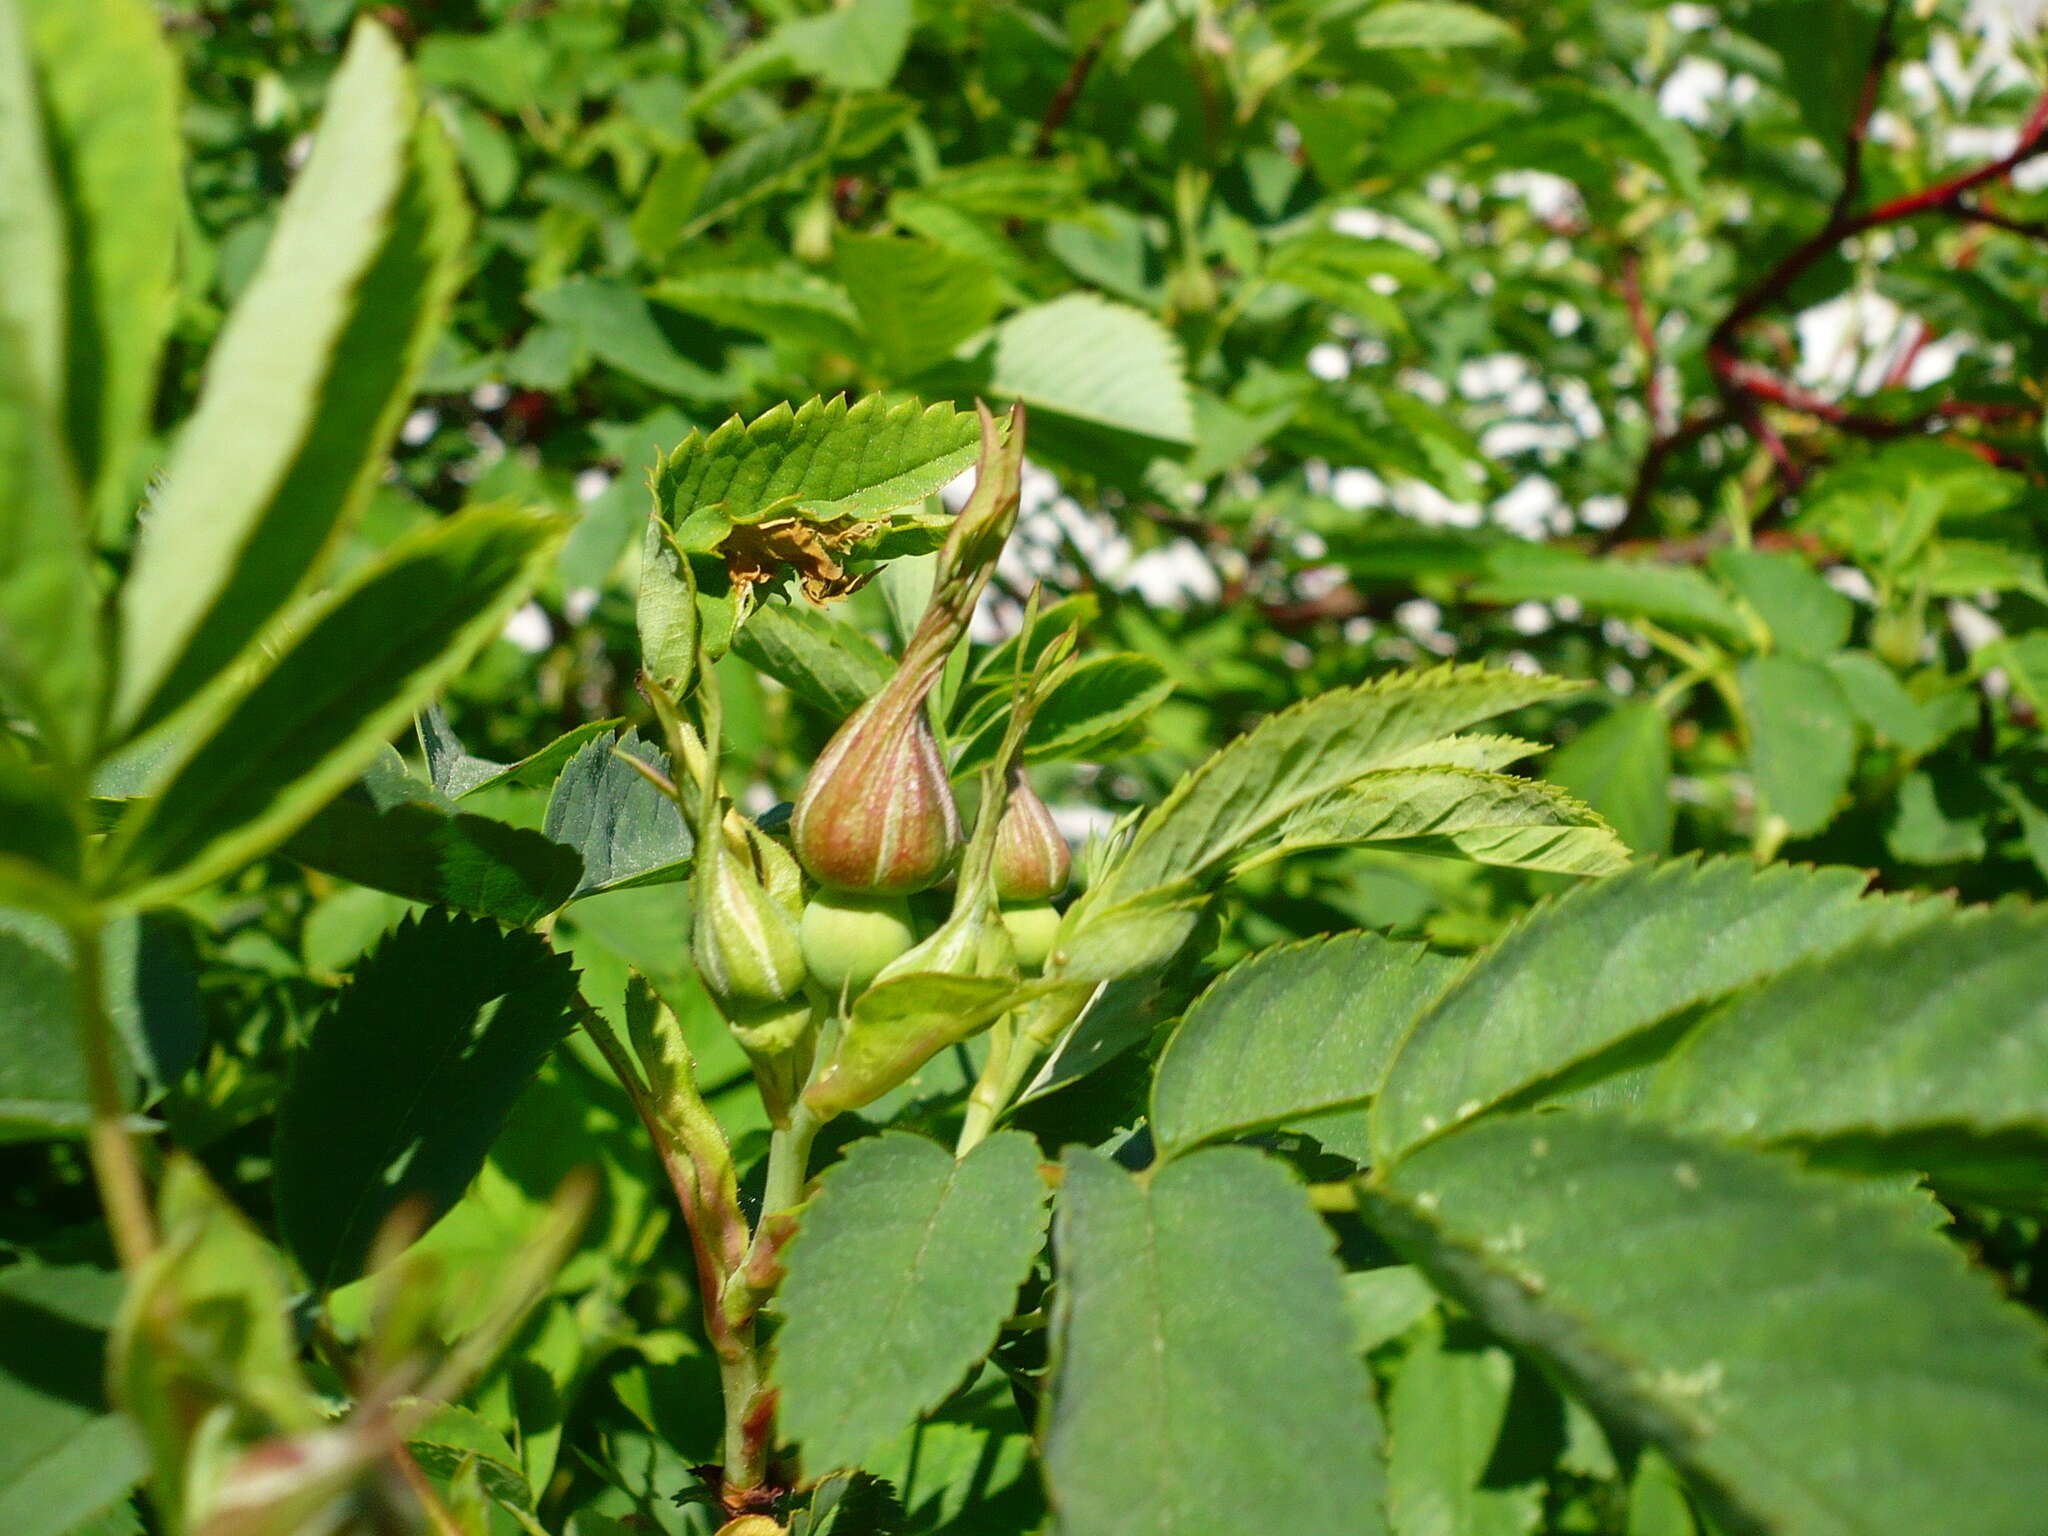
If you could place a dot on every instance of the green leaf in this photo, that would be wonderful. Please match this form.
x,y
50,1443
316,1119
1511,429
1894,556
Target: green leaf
x,y
452,1437
1657,1505
821,660
1623,124
854,48
1092,706
759,165
2025,660
1825,45
42,834
898,1025
1385,1303
63,1456
407,1080
1676,595
1492,818
612,322
150,994
1294,1031
32,249
392,833
905,1266
1446,1418
205,1335
1728,1308
457,774
303,390
1433,24
627,831
1940,817
1096,361
1600,967
665,611
52,650
107,98
1805,616
1621,766
918,300
1926,1050
1202,1359
784,303
1294,758
825,460
1915,725
1802,740
375,651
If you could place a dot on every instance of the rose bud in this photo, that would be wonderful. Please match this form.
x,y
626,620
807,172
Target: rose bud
x,y
1032,859
746,948
876,816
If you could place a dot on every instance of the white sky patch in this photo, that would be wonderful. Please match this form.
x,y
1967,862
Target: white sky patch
x,y
1531,509
1355,489
529,629
1371,224
592,483
1328,361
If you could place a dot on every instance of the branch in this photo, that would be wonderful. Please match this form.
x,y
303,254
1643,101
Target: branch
x,y
1069,92
1743,386
1646,335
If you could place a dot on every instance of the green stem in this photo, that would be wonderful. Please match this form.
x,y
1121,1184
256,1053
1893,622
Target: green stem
x,y
789,1157
115,1168
992,1090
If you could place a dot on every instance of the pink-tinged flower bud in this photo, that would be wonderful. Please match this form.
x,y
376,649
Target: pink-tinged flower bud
x,y
1032,861
744,942
876,815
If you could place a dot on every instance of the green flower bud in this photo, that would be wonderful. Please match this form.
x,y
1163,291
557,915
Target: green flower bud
x,y
1032,860
876,814
849,938
746,948
1032,926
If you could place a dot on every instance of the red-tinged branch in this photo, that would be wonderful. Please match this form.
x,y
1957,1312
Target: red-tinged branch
x,y
1746,388
1068,93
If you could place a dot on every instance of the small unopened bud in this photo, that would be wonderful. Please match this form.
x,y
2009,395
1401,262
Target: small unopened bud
x,y
1032,861
848,938
876,815
746,948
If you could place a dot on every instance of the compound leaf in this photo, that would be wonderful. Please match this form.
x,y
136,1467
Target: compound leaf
x,y
1731,1309
1926,1050
905,1265
373,654
303,390
1604,964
